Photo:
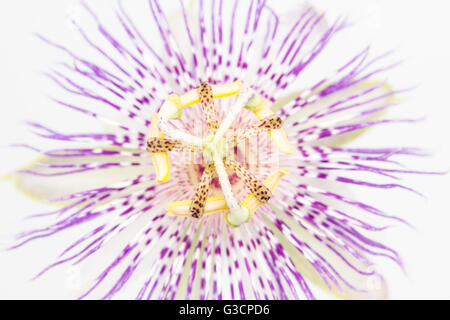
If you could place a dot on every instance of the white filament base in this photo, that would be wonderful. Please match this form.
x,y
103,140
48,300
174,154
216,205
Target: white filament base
x,y
237,216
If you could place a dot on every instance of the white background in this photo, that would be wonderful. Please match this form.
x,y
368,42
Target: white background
x,y
418,30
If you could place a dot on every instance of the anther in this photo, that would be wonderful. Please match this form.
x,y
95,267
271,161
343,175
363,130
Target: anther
x,y
160,159
258,106
197,207
269,123
155,144
205,94
259,190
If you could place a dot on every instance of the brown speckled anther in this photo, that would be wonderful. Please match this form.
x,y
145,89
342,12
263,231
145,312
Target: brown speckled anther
x,y
269,123
155,145
197,207
209,109
260,191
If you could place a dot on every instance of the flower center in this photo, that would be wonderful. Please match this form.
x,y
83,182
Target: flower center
x,y
214,149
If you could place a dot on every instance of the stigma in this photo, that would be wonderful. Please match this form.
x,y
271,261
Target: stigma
x,y
218,163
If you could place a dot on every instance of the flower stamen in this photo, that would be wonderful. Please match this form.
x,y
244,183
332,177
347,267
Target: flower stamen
x,y
269,123
260,191
155,144
197,207
214,149
271,182
218,91
209,109
258,106
160,159
172,110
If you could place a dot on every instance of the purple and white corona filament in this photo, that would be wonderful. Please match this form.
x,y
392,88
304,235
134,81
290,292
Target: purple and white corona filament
x,y
216,176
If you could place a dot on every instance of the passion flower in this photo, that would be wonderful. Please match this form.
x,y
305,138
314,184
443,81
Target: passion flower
x,y
220,176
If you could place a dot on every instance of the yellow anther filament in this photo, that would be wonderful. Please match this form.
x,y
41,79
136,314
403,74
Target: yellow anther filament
x,y
271,182
258,106
212,205
218,91
160,159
